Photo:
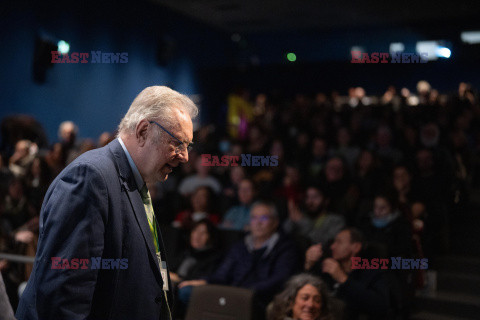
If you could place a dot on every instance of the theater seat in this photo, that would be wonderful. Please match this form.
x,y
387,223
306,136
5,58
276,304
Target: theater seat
x,y
215,302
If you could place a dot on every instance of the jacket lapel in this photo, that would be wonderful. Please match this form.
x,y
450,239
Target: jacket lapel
x,y
130,188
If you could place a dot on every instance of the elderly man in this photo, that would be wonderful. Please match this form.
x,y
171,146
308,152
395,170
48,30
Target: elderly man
x,y
100,254
262,262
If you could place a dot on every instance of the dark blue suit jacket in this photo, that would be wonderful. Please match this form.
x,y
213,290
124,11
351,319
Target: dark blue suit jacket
x,y
264,273
94,209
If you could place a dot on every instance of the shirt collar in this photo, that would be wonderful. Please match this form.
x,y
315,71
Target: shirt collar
x,y
268,244
136,174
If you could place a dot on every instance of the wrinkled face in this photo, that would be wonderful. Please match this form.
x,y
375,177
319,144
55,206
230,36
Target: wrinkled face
x,y
245,192
199,236
308,303
381,207
159,157
313,200
342,247
262,223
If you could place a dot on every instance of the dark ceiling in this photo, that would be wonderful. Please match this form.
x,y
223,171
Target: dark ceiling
x,y
280,15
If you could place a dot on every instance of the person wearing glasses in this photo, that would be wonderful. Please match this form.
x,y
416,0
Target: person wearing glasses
x,y
263,261
99,209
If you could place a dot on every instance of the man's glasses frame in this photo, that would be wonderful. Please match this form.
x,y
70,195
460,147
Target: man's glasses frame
x,y
182,146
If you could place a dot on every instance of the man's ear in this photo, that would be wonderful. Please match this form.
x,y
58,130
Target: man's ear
x,y
141,132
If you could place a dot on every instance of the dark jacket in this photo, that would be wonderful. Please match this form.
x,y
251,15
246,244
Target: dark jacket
x,y
94,209
365,292
393,240
204,263
259,270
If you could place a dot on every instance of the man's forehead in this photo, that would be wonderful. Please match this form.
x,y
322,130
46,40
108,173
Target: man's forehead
x,y
260,210
183,126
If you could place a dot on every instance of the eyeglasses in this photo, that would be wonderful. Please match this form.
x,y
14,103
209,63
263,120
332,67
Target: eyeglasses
x,y
260,218
182,146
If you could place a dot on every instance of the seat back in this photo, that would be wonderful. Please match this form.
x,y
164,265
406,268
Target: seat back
x,y
215,302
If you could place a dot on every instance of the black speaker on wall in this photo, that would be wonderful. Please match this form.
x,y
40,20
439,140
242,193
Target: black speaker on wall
x,y
42,58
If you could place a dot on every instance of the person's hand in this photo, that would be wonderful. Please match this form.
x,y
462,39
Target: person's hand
x,y
313,254
332,267
175,277
294,212
24,236
193,283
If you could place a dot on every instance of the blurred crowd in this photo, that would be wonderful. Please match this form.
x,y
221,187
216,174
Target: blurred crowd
x,y
357,175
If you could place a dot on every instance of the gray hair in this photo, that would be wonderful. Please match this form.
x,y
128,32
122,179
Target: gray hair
x,y
156,102
270,205
283,303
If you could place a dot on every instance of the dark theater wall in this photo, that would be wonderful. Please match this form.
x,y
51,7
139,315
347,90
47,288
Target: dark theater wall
x,y
95,96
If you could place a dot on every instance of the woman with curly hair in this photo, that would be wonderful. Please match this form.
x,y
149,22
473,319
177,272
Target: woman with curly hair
x,y
305,298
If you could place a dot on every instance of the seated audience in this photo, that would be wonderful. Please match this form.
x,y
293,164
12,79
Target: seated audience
x,y
201,178
314,221
201,256
201,202
365,292
263,261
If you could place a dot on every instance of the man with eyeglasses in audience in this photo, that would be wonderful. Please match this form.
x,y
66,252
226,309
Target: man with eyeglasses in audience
x,y
263,261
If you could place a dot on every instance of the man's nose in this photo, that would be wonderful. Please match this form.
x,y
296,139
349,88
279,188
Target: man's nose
x,y
183,156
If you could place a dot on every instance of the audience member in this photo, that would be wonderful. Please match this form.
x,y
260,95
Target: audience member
x,y
305,298
364,291
314,222
238,217
388,229
201,202
263,261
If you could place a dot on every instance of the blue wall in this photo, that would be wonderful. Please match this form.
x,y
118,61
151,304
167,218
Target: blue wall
x,y
96,96
207,61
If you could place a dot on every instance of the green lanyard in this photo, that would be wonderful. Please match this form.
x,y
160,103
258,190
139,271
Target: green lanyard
x,y
154,231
